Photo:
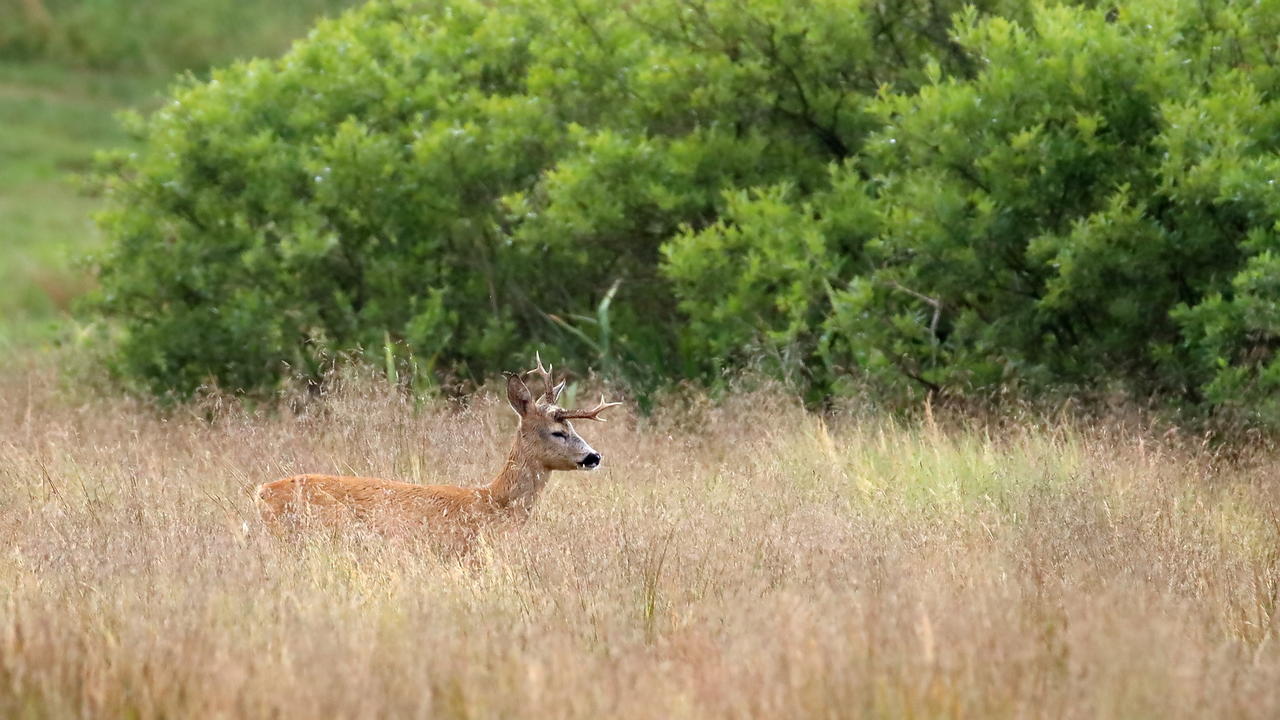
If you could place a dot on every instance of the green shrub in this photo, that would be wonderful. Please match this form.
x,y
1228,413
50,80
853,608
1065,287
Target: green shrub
x,y
1093,210
923,197
1073,206
470,179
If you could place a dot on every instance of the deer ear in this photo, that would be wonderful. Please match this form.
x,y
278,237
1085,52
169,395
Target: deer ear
x,y
518,395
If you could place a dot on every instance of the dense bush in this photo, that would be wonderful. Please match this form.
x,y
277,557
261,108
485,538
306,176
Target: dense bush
x,y
922,196
468,181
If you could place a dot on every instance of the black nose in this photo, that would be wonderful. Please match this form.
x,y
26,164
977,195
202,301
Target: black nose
x,y
591,460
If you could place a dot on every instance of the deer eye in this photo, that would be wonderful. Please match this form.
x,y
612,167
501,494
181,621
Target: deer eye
x,y
560,435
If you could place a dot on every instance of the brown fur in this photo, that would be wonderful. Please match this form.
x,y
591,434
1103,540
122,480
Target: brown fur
x,y
454,516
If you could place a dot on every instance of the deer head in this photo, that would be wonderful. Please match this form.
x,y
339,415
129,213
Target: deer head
x,y
546,436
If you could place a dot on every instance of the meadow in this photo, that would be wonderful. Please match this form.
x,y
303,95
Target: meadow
x,y
743,558
55,119
61,88
736,557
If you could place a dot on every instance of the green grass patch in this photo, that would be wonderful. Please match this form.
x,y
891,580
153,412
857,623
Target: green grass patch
x,y
61,86
55,120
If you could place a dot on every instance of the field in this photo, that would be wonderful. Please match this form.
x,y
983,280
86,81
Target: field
x,y
54,121
741,559
58,102
735,558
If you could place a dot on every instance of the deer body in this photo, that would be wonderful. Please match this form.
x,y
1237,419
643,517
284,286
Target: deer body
x,y
545,442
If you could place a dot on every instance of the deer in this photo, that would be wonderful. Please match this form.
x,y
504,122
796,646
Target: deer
x,y
545,442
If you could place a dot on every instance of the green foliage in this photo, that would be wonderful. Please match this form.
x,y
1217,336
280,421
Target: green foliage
x,y
458,175
929,197
756,284
1062,218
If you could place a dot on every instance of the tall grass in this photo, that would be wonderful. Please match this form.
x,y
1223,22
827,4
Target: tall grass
x,y
744,559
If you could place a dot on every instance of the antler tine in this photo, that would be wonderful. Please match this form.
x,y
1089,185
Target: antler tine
x,y
592,414
550,393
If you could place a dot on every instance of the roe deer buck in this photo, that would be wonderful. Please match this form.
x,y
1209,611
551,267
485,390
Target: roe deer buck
x,y
545,441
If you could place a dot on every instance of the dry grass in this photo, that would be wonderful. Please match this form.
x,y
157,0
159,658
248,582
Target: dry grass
x,y
746,560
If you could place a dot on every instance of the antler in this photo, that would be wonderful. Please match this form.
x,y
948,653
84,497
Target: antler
x,y
592,414
551,391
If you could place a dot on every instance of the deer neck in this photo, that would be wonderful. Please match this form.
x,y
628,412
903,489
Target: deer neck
x,y
519,482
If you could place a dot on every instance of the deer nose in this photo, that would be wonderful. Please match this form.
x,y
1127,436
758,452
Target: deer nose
x,y
591,460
